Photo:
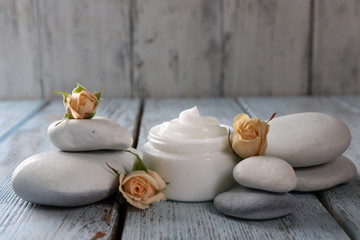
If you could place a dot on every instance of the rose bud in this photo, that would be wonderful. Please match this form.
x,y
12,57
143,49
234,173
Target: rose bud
x,y
141,188
249,138
81,105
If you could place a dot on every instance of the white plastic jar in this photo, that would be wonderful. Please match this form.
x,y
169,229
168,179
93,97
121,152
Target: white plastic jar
x,y
192,153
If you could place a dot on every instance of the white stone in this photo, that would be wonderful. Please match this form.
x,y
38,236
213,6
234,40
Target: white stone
x,y
307,139
324,176
70,179
89,134
265,173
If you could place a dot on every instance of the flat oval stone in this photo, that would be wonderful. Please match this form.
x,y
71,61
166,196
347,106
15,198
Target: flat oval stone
x,y
307,139
254,204
89,134
324,176
265,173
70,179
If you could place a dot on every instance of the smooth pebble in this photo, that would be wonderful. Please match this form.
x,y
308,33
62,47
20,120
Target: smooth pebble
x,y
324,176
254,204
70,179
307,139
265,173
89,134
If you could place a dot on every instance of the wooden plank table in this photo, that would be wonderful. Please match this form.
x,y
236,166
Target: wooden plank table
x,y
23,220
330,214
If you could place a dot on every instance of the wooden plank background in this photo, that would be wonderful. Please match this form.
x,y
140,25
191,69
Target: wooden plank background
x,y
266,47
20,219
341,201
329,214
179,220
152,48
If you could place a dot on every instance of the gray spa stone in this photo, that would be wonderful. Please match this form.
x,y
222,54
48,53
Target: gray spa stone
x,y
254,204
324,176
70,179
265,173
307,139
89,134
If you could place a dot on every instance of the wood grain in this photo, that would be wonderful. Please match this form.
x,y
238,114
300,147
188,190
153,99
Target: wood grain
x,y
15,113
341,201
176,220
336,53
85,41
20,76
177,48
152,48
24,220
266,47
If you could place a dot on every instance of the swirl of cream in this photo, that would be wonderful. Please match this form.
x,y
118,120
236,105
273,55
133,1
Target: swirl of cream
x,y
190,125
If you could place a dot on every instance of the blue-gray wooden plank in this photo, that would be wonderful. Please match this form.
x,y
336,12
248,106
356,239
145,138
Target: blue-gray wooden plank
x,y
23,220
179,220
15,113
343,201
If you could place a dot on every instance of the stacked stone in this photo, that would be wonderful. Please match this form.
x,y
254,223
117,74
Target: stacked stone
x,y
78,174
304,154
313,143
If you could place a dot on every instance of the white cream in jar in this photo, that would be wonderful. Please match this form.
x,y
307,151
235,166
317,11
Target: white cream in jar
x,y
192,153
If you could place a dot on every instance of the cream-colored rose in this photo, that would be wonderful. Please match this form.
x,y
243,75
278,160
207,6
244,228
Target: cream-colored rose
x,y
81,105
142,188
249,138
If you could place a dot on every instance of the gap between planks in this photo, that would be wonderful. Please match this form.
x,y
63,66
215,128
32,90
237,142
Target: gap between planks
x,y
326,205
322,199
122,208
25,119
328,208
169,211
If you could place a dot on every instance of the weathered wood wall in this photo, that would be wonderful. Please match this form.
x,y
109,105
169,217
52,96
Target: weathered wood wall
x,y
155,48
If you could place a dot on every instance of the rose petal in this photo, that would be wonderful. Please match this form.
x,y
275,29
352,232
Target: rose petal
x,y
90,95
129,198
263,147
137,204
145,175
263,130
245,148
139,188
121,179
141,180
240,119
149,193
157,198
73,106
158,179
247,136
132,185
81,105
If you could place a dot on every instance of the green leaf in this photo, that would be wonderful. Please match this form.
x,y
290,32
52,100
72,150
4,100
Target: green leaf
x,y
90,116
98,95
66,115
138,164
65,94
78,89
